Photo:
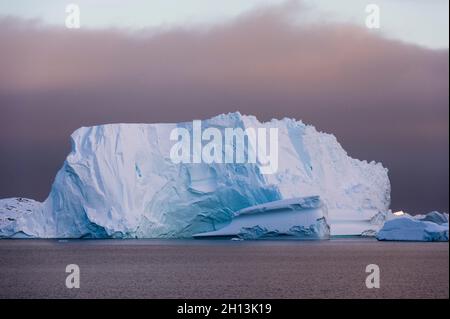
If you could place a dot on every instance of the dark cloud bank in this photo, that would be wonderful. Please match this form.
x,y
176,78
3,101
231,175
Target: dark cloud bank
x,y
384,100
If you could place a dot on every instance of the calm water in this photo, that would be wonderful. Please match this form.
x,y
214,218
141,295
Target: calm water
x,y
222,269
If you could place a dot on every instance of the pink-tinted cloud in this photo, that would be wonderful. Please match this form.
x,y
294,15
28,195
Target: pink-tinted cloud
x,y
385,100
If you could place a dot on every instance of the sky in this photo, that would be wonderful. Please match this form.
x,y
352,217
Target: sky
x,y
382,92
423,22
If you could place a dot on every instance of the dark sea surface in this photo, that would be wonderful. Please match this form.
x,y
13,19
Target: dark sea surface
x,y
223,269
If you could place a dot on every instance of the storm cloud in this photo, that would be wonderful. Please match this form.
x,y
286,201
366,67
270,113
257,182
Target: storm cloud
x,y
384,100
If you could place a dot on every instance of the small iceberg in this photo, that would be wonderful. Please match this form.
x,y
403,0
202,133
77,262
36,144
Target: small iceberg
x,y
430,227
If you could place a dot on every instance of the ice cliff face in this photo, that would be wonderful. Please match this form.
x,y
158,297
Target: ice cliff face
x,y
119,181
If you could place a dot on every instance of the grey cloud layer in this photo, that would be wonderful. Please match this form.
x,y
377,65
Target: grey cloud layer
x,y
383,99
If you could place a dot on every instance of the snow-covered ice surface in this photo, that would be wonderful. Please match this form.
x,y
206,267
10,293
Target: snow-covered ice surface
x,y
16,217
301,218
119,182
431,227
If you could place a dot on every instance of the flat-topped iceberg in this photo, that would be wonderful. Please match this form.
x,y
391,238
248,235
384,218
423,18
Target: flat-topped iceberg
x,y
300,218
119,181
431,227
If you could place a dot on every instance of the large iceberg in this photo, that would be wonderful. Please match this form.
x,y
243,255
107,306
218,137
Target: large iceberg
x,y
119,182
430,227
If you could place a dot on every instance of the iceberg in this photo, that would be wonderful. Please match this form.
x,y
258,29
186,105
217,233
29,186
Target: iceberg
x,y
431,227
435,217
16,217
299,218
119,182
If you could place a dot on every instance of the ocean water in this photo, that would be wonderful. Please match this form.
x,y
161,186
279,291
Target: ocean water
x,y
223,269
